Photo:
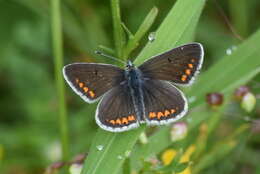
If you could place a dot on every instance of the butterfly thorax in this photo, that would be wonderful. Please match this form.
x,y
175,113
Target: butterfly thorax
x,y
134,82
133,75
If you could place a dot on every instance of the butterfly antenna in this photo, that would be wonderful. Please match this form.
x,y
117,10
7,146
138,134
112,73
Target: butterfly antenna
x,y
110,57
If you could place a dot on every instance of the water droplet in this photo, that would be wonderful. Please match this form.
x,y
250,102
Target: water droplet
x,y
192,99
189,120
229,51
143,138
75,168
151,37
100,147
233,47
119,157
127,153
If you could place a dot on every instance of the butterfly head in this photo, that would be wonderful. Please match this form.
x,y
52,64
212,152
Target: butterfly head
x,y
129,65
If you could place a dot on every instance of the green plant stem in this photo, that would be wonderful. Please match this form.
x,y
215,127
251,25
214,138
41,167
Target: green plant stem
x,y
58,62
118,30
144,27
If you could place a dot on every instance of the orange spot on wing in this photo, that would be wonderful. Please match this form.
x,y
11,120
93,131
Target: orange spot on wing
x,y
159,115
124,120
92,94
81,85
112,122
173,111
131,118
152,115
190,65
166,113
85,89
183,78
188,71
118,121
192,60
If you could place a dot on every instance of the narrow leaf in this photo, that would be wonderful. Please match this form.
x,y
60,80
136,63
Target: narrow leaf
x,y
173,30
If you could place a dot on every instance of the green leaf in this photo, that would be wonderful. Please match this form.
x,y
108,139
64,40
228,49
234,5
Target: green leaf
x,y
177,28
230,71
174,29
227,74
145,26
119,37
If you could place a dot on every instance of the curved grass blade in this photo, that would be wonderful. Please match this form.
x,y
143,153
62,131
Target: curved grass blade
x,y
230,72
176,28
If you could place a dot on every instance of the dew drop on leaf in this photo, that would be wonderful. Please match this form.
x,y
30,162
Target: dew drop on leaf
x,y
119,157
127,153
100,147
192,99
151,37
229,51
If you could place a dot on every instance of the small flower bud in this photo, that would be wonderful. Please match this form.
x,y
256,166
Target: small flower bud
x,y
214,99
57,165
153,160
75,168
79,159
248,102
241,91
179,131
168,156
143,138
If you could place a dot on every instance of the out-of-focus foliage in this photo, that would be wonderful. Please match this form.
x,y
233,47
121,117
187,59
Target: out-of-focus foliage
x,y
223,139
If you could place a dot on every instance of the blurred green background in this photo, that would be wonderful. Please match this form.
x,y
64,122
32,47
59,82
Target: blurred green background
x,y
29,128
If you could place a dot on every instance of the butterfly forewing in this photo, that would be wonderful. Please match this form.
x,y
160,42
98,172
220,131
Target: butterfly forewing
x,y
116,112
178,65
163,102
138,95
90,80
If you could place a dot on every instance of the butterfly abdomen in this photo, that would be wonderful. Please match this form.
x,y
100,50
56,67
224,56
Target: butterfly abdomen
x,y
134,81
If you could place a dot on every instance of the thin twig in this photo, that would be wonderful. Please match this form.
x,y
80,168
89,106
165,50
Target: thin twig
x,y
230,26
58,61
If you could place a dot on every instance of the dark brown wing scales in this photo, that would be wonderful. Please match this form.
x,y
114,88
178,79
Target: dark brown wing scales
x,y
178,65
116,112
90,80
164,103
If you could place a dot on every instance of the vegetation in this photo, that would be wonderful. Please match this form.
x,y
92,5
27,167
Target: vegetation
x,y
46,128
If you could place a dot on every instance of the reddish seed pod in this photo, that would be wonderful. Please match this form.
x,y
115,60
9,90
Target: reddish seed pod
x,y
57,165
241,92
214,99
79,159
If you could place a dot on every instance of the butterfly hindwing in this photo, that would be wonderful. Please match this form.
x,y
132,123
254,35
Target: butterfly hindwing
x,y
163,102
179,65
91,80
116,111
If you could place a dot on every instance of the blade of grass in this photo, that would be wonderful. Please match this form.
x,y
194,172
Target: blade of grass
x,y
222,77
177,30
145,26
119,39
183,15
229,70
58,61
